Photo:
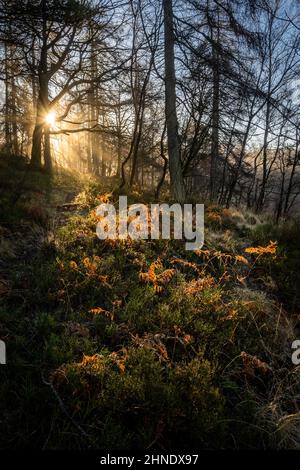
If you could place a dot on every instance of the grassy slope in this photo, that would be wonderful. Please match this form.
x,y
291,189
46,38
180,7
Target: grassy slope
x,y
142,344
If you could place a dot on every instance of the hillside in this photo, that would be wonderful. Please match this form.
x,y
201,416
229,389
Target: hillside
x,y
142,344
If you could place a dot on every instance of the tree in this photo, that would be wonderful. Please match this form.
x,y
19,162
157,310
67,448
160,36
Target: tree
x,y
175,166
54,38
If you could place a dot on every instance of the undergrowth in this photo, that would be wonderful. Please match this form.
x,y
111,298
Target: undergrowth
x,y
144,345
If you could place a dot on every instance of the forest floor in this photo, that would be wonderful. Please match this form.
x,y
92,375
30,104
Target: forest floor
x,y
142,344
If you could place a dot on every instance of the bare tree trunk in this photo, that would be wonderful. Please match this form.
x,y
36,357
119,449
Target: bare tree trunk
x,y
291,178
214,167
119,152
7,106
37,138
139,99
223,190
119,137
261,197
137,137
176,176
42,105
36,151
11,128
162,154
94,112
89,139
15,144
102,147
47,151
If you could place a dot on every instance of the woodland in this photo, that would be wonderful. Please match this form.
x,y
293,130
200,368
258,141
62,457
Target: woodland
x,y
125,344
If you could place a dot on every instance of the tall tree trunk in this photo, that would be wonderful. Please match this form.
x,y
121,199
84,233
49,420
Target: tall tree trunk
x,y
13,103
291,178
278,211
119,137
139,99
214,166
176,176
94,112
137,140
261,197
42,106
38,132
47,151
36,151
90,137
8,142
119,153
102,147
262,192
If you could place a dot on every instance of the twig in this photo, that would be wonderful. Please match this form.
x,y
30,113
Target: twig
x,y
63,408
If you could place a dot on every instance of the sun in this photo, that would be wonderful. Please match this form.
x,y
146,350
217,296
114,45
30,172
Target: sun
x,y
50,118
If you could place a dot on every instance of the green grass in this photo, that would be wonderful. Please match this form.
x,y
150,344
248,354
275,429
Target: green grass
x,y
203,362
284,271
